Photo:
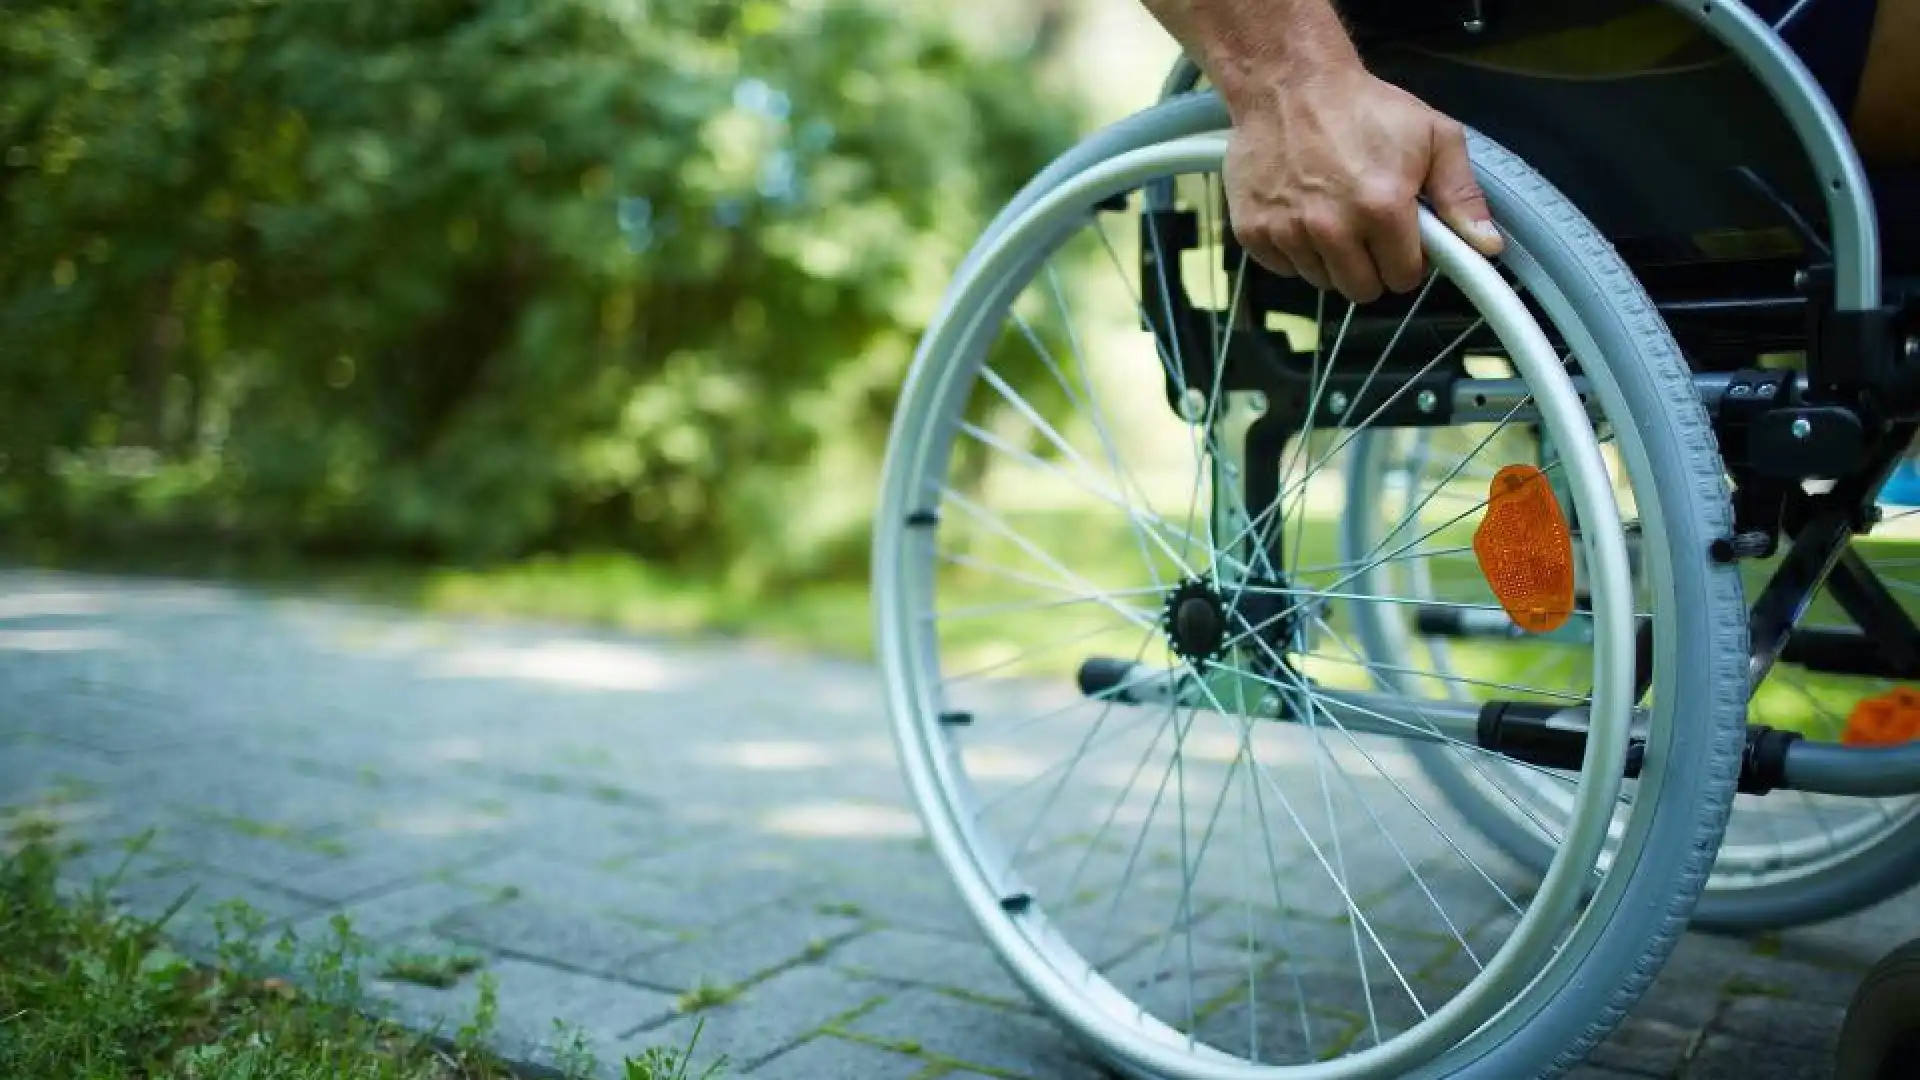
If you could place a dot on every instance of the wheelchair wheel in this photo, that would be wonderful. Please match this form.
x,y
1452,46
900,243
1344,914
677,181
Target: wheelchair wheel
x,y
1108,607
1788,858
1880,1037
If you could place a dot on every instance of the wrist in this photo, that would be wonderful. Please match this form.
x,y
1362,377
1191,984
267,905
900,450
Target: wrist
x,y
1252,85
1255,73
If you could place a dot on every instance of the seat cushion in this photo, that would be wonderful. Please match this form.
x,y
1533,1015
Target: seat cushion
x,y
1896,198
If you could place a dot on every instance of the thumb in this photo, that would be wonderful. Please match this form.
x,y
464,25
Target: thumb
x,y
1456,195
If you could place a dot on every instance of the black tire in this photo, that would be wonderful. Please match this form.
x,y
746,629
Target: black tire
x,y
1880,1039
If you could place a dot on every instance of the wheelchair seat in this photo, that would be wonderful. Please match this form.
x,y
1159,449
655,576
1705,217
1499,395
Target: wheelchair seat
x,y
1896,200
1690,171
1669,144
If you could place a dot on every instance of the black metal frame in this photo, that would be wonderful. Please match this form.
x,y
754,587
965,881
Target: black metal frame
x,y
1847,419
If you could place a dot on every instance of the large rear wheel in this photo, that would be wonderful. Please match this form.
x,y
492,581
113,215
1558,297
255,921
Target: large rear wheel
x,y
1205,856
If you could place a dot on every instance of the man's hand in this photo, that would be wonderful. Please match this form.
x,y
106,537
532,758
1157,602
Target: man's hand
x,y
1322,176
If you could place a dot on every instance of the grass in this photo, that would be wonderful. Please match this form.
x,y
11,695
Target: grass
x,y
89,993
429,969
706,996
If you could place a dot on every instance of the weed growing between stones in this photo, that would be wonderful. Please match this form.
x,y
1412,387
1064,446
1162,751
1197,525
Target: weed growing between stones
x,y
91,991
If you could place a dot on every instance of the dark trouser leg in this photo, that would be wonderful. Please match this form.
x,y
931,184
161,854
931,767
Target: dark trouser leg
x,y
1886,115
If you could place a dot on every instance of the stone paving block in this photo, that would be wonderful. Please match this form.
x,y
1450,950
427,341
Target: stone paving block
x,y
672,905
98,866
743,950
1380,1000
1595,1072
1726,1057
409,908
529,998
937,910
1305,888
978,1035
766,1018
1285,1032
566,937
584,829
1734,966
34,770
828,1058
76,823
684,854
259,850
930,960
260,790
1650,1047
375,862
1806,1025
1678,1001
910,863
1171,982
209,898
1454,901
111,723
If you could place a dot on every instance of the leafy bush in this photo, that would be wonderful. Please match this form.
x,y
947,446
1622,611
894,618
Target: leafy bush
x,y
473,278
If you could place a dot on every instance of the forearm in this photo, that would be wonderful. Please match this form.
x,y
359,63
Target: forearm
x,y
1251,49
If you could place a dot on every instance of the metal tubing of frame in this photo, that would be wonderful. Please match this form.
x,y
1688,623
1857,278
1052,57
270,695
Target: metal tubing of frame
x,y
1821,768
1866,772
1392,715
1822,133
1400,717
1486,401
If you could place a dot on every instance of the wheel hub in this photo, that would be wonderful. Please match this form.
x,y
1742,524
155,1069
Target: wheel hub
x,y
1195,621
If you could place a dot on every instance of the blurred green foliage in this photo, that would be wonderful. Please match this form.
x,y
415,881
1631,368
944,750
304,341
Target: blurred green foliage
x,y
469,279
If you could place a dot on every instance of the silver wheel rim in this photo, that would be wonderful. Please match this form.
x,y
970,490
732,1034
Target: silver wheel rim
x,y
1043,960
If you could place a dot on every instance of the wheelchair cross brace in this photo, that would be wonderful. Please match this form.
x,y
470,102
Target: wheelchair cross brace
x,y
1543,735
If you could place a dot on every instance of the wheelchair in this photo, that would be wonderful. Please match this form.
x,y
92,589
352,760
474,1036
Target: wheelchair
x,y
1300,689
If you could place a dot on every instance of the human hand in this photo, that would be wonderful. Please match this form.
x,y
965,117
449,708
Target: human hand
x,y
1323,173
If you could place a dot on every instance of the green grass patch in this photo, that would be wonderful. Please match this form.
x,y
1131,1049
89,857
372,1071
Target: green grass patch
x,y
90,993
430,969
1742,986
267,830
707,996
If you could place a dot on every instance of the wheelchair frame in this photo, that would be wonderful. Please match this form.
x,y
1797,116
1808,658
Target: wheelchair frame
x,y
1847,419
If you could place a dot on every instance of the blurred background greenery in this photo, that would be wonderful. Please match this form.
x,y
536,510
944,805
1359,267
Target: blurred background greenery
x,y
592,308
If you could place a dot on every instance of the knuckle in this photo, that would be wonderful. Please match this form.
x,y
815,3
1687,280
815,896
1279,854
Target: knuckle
x,y
1289,234
1254,231
1325,229
1382,201
1404,279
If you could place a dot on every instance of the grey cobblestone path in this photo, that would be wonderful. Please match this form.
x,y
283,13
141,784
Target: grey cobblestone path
x,y
618,829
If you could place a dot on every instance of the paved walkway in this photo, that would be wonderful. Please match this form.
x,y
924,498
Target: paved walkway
x,y
620,828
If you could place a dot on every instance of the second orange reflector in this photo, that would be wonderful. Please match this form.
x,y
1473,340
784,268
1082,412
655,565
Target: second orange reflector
x,y
1525,549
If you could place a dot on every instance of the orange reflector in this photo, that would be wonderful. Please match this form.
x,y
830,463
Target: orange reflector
x,y
1888,720
1525,549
